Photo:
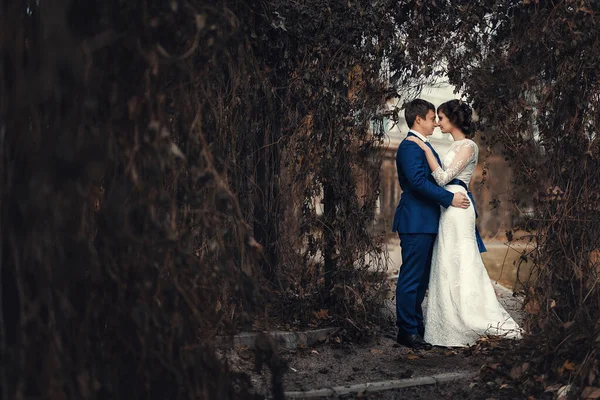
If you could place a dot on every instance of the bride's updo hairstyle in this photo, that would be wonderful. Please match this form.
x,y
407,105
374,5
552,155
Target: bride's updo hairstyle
x,y
460,115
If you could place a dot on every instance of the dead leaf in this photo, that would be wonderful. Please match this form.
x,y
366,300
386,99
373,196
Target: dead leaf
x,y
563,392
515,372
253,243
591,392
376,351
567,366
568,324
321,314
552,388
587,11
413,357
532,307
177,151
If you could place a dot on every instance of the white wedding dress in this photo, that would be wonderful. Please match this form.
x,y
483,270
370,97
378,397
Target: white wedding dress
x,y
461,304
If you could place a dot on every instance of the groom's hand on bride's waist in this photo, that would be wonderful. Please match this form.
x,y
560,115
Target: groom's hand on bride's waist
x,y
460,200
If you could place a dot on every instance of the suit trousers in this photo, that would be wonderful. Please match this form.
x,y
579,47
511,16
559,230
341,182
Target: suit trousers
x,y
413,279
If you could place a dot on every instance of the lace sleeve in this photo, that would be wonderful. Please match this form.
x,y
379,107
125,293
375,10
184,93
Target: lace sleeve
x,y
460,161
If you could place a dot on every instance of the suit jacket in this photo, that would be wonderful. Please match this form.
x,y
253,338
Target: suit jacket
x,y
419,208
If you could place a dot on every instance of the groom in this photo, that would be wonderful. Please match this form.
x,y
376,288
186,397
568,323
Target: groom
x,y
416,221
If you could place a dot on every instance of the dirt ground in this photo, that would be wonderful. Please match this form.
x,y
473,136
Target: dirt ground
x,y
332,364
338,363
382,359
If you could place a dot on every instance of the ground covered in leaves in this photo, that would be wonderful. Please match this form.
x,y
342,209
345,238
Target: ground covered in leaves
x,y
502,369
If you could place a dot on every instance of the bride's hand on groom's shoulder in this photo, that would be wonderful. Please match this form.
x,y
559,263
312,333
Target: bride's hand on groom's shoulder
x,y
419,142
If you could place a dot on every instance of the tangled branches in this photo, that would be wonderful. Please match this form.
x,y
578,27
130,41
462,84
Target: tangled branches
x,y
122,245
160,164
530,69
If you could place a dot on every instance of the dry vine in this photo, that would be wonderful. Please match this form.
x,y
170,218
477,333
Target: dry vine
x,y
159,166
531,70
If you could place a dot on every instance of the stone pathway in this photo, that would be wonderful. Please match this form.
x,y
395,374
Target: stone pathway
x,y
335,368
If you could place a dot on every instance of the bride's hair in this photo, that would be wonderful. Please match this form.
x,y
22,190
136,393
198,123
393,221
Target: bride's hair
x,y
460,115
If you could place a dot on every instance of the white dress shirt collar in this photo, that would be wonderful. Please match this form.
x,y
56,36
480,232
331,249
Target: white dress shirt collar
x,y
420,136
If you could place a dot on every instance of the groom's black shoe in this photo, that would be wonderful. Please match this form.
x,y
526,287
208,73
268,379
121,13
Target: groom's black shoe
x,y
413,340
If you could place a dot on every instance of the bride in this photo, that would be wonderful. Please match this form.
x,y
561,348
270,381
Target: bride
x,y
462,304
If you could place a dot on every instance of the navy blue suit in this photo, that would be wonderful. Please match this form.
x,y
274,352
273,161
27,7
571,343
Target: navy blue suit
x,y
416,221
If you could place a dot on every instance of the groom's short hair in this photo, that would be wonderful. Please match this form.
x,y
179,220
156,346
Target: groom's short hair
x,y
416,107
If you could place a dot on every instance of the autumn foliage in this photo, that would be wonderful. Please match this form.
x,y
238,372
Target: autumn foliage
x,y
174,171
530,68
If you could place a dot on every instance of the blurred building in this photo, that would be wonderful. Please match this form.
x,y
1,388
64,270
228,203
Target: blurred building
x,y
495,217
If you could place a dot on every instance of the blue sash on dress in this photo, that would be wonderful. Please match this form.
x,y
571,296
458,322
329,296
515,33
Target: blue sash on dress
x,y
480,244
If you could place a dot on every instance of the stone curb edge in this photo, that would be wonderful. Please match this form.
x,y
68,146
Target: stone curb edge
x,y
285,339
370,387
